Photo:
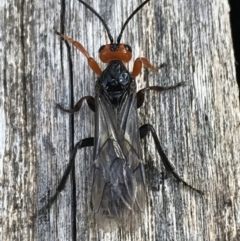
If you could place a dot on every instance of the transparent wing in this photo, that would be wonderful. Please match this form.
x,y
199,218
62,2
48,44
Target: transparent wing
x,y
118,192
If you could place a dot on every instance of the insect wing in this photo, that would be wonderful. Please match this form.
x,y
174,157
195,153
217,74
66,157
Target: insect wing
x,y
118,193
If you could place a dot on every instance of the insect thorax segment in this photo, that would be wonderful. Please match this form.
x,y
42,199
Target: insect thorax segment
x,y
115,81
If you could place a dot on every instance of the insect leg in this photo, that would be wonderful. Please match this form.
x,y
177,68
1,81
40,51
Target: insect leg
x,y
141,93
83,143
91,62
144,130
90,101
137,66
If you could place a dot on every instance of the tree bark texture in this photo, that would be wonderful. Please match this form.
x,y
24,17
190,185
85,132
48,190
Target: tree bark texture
x,y
198,124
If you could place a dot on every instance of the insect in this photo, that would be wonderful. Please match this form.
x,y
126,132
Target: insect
x,y
118,186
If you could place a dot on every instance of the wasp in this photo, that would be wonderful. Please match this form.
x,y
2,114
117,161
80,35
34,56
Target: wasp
x,y
118,184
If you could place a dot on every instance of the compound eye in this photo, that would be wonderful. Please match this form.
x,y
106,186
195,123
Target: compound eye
x,y
101,48
128,48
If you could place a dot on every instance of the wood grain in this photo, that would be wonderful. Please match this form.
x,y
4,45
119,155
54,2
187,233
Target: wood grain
x,y
198,124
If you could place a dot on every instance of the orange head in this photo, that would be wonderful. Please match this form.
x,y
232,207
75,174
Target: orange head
x,y
115,51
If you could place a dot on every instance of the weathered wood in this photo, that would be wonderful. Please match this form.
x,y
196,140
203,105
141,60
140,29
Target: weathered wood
x,y
198,125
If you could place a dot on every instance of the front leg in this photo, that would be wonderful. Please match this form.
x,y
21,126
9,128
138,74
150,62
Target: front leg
x,y
137,66
90,101
91,62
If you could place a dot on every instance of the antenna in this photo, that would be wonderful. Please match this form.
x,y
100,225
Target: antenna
x,y
100,18
129,18
105,25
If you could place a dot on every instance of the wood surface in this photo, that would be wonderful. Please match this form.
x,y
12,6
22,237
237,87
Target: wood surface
x,y
198,125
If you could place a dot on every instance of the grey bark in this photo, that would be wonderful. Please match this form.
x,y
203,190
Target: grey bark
x,y
198,125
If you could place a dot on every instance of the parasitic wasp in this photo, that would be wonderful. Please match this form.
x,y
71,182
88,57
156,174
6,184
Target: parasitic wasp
x,y
118,184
